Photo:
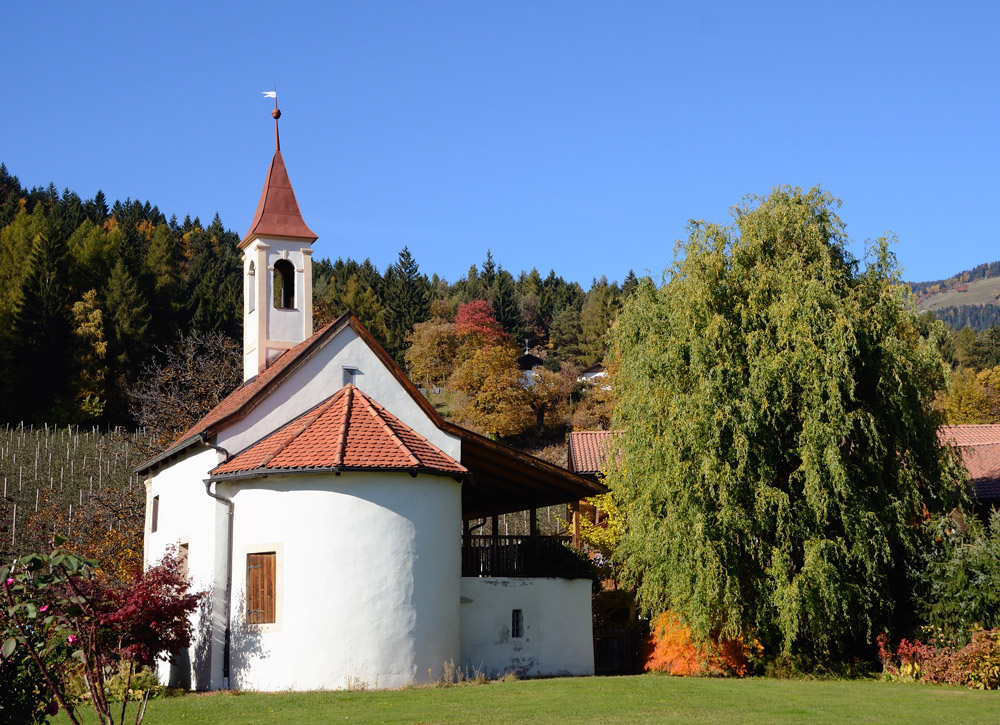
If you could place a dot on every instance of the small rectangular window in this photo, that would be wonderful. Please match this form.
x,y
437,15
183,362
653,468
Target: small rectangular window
x,y
182,553
154,520
261,588
349,374
517,623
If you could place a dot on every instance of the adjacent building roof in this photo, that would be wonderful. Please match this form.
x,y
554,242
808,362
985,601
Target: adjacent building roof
x,y
347,431
500,479
983,462
979,446
278,212
970,435
588,449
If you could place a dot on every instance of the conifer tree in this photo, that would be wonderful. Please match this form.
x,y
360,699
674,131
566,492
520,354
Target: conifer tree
x,y
127,321
407,301
89,364
505,307
41,330
598,311
96,209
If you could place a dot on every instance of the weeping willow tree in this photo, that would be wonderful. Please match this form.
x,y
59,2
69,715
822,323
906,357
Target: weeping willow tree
x,y
780,452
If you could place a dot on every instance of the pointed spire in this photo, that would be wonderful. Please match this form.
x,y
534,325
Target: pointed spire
x,y
278,212
276,114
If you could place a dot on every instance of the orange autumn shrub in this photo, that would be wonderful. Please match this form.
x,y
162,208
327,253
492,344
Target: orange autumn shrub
x,y
670,649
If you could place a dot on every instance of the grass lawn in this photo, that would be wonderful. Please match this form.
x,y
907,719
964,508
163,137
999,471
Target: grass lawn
x,y
646,698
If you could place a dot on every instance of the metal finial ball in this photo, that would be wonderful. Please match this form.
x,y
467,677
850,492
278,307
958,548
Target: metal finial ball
x,y
275,114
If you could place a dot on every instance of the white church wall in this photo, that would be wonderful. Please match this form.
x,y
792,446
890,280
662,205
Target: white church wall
x,y
321,377
557,634
187,516
368,570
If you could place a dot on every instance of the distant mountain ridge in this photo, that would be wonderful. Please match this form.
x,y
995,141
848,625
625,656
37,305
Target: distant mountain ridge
x,y
970,298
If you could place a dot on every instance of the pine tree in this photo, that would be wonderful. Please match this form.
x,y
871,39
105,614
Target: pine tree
x,y
489,274
41,329
630,285
127,321
96,209
598,311
505,307
407,301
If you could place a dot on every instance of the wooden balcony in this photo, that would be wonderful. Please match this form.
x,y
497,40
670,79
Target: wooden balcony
x,y
521,556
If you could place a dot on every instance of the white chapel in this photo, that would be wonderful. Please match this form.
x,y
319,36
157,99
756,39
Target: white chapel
x,y
327,508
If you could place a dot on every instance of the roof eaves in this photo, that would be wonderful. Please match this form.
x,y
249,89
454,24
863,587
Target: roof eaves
x,y
528,460
337,470
171,452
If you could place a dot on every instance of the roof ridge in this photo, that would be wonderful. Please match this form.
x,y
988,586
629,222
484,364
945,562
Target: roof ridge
x,y
376,414
340,445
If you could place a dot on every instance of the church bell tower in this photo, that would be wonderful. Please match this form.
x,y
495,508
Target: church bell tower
x,y
277,271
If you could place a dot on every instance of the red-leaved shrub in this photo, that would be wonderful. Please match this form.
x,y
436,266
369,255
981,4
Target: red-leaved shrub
x,y
976,665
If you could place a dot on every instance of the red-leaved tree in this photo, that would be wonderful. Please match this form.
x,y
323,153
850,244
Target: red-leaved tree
x,y
476,320
58,606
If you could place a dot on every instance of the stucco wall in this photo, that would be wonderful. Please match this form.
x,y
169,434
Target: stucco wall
x,y
368,572
558,631
188,516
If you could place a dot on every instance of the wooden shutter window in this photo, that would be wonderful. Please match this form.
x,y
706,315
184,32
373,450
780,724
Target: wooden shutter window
x,y
261,588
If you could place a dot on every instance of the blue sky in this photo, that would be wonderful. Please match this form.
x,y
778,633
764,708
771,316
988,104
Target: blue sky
x,y
580,136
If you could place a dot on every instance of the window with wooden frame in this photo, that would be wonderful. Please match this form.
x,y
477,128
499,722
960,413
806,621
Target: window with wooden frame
x,y
154,518
261,595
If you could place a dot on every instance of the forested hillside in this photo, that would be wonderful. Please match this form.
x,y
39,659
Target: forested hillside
x,y
94,293
967,299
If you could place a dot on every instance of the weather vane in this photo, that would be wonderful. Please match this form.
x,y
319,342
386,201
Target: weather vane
x,y
275,114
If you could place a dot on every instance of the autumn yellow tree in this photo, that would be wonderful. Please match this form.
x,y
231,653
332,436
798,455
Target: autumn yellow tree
x,y
972,397
431,351
547,392
89,366
492,397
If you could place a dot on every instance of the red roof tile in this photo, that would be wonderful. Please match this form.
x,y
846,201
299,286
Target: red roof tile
x,y
588,450
278,212
970,435
983,463
346,431
979,446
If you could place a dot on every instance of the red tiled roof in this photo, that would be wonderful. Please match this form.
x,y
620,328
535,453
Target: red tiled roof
x,y
983,463
277,211
979,446
348,430
970,435
588,449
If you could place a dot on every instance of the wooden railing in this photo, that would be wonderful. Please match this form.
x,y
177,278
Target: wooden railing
x,y
517,556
